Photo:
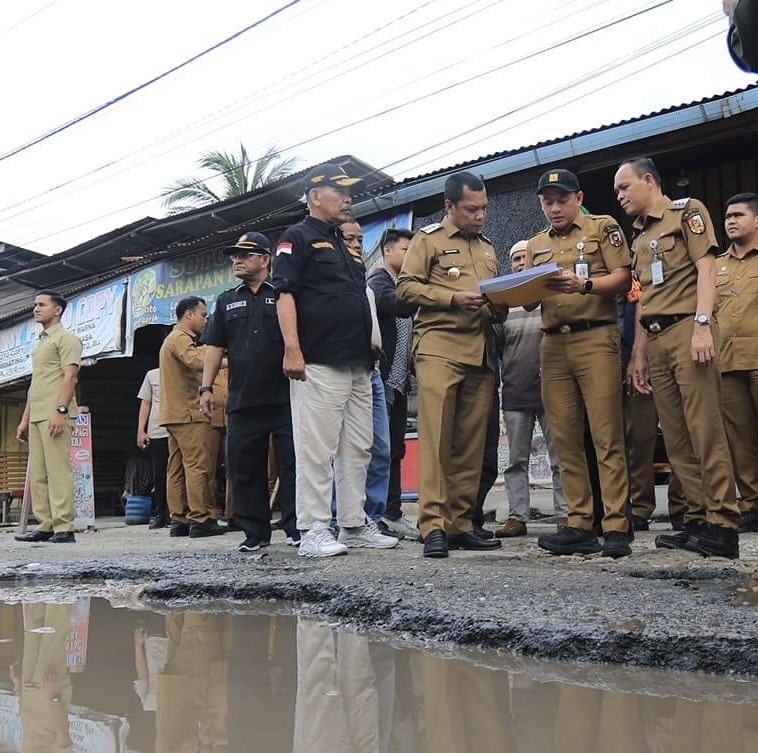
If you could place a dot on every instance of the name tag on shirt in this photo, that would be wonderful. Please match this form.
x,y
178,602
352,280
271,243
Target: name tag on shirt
x,y
235,305
656,268
271,300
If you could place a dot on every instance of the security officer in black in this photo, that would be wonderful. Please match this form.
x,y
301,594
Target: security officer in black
x,y
244,326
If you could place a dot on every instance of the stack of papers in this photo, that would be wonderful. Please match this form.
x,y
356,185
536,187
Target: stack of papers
x,y
520,288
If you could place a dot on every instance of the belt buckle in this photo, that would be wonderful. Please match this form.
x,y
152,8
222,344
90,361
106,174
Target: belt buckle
x,y
655,327
565,329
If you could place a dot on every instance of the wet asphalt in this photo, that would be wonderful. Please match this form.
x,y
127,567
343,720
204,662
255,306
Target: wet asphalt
x,y
656,608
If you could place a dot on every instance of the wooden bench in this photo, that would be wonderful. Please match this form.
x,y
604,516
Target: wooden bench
x,y
12,479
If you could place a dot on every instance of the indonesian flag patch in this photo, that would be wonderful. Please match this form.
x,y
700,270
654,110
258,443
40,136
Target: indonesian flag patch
x,y
284,248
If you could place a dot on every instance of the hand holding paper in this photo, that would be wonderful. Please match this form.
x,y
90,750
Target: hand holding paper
x,y
521,288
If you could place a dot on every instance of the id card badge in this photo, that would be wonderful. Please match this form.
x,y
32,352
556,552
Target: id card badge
x,y
656,268
582,269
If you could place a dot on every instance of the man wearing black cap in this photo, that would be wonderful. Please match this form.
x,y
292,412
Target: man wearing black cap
x,y
245,326
581,361
325,320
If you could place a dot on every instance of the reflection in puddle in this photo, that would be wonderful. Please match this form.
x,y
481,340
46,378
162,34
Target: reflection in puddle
x,y
88,678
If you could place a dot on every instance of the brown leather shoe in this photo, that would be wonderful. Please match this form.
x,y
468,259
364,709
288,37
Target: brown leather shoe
x,y
561,523
511,528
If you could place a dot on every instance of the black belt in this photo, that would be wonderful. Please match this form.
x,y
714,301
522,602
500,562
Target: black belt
x,y
659,323
566,329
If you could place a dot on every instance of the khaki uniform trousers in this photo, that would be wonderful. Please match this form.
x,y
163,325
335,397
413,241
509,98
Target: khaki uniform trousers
x,y
581,375
50,477
192,454
688,400
641,433
192,703
453,407
739,391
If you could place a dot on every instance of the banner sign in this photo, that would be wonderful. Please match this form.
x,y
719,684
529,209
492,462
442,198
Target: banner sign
x,y
155,290
95,316
80,454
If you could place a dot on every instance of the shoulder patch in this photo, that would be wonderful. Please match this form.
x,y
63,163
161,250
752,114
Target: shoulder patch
x,y
615,237
695,221
680,204
431,228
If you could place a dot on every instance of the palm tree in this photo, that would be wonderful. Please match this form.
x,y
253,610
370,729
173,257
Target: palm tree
x,y
238,175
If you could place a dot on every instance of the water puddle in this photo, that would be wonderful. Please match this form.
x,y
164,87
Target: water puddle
x,y
89,678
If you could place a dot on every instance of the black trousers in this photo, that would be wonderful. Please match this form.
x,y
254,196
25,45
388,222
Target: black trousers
x,y
247,436
397,410
157,451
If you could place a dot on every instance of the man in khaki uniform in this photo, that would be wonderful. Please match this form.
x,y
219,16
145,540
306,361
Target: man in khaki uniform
x,y
737,297
676,352
454,365
580,358
193,443
47,422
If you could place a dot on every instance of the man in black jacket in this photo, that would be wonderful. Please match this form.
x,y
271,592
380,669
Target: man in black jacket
x,y
396,325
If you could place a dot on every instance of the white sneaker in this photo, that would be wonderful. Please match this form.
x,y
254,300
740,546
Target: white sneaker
x,y
367,536
319,542
404,527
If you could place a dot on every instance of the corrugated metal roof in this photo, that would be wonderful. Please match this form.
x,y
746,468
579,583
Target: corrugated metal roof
x,y
146,240
544,153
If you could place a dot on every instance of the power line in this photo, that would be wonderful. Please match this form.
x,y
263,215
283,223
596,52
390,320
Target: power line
x,y
27,18
215,114
652,47
80,118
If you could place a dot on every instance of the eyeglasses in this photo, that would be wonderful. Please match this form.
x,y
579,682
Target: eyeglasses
x,y
247,254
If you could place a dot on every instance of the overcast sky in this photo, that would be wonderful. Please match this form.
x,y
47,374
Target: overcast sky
x,y
460,80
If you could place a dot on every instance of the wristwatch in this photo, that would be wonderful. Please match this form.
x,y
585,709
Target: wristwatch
x,y
702,319
587,286
204,388
62,409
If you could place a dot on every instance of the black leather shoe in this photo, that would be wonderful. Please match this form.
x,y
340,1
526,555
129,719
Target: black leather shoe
x,y
471,541
616,544
483,533
32,536
208,527
570,540
158,521
678,540
677,522
63,537
640,523
178,529
748,522
715,541
435,544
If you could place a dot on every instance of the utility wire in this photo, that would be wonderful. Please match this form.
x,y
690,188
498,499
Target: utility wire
x,y
598,72
27,18
632,56
121,97
216,114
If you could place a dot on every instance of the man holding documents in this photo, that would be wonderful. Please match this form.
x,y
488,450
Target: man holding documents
x,y
454,365
581,362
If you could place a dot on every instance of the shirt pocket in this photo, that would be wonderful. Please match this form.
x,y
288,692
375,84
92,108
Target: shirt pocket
x,y
542,256
448,261
271,323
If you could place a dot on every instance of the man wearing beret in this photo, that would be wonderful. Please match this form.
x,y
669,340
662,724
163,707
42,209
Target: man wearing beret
x,y
244,325
325,322
580,357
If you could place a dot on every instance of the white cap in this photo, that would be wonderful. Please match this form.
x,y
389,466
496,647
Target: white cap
x,y
516,247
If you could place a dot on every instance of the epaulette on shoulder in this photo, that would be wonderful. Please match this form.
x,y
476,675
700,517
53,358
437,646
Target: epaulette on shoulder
x,y
431,228
680,204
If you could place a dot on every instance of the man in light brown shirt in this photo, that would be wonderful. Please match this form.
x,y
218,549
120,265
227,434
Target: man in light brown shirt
x,y
737,298
454,365
47,422
193,443
580,359
676,353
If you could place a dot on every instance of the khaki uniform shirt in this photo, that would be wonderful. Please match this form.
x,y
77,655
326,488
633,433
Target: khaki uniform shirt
x,y
684,232
220,398
737,298
57,347
150,392
441,261
605,249
181,365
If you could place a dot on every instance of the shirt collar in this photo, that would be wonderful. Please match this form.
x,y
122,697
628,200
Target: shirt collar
x,y
452,229
323,227
51,329
730,252
656,212
578,222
